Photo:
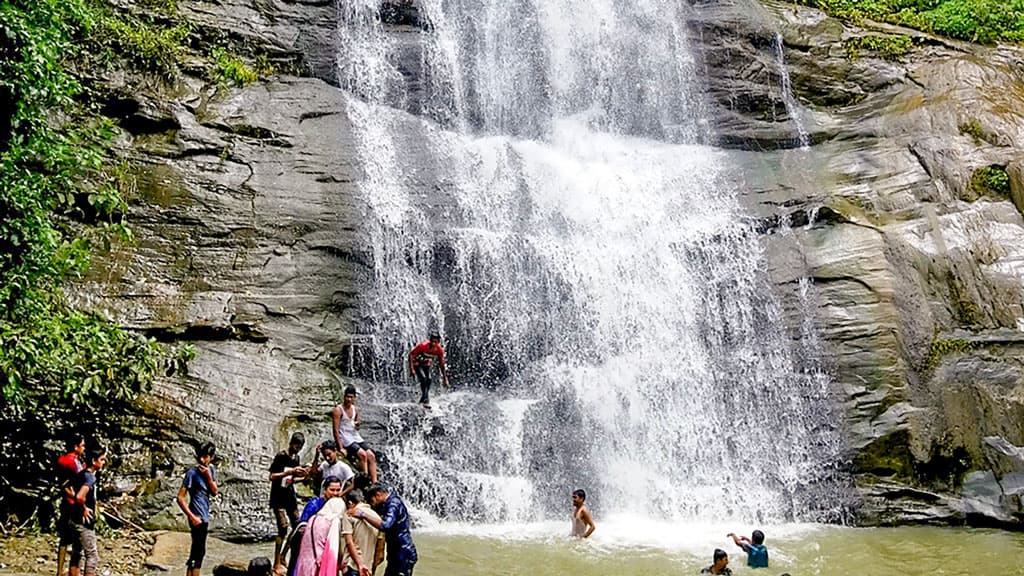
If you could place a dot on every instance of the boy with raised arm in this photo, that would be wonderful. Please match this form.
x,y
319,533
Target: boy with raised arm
x,y
199,484
757,552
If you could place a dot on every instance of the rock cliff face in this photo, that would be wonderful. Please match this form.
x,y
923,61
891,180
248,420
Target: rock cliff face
x,y
250,244
915,266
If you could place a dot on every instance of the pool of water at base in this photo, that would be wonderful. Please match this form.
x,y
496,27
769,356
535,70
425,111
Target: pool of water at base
x,y
627,548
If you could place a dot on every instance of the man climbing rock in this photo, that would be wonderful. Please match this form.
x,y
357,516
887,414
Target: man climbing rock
x,y
421,359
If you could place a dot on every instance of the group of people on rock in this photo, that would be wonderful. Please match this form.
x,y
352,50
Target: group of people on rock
x,y
339,530
345,529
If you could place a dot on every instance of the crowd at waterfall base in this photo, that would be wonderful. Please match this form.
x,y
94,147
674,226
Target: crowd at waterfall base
x,y
349,527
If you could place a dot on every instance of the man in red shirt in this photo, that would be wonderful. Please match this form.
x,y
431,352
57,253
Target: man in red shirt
x,y
68,467
421,358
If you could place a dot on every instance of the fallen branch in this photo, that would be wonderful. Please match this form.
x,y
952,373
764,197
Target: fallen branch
x,y
123,522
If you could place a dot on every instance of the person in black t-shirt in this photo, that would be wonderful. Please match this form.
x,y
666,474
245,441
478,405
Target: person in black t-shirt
x,y
283,472
83,514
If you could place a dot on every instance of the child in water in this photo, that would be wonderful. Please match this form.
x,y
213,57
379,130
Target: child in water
x,y
757,552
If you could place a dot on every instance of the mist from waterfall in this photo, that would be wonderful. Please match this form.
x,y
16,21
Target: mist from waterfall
x,y
541,196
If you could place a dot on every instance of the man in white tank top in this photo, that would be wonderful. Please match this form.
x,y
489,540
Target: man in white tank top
x,y
346,434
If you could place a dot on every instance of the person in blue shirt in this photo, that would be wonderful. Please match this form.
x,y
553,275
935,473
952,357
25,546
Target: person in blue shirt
x,y
394,523
757,552
199,484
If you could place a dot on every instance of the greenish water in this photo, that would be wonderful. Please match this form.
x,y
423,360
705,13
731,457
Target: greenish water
x,y
797,549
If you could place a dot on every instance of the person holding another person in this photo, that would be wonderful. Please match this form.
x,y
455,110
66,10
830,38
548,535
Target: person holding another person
x,y
582,522
757,553
394,523
421,358
83,515
719,564
68,467
327,541
364,533
346,434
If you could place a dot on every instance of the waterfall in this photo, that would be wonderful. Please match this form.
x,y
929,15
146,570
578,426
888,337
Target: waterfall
x,y
786,87
541,198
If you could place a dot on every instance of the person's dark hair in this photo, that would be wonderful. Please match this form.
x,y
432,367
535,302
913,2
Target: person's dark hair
x,y
329,445
350,390
719,554
298,438
354,497
757,537
259,566
93,453
206,449
434,334
331,480
73,441
579,492
372,490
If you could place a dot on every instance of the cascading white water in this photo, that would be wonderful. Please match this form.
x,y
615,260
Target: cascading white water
x,y
600,294
786,87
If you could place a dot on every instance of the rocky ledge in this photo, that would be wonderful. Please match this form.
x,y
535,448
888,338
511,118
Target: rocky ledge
x,y
899,220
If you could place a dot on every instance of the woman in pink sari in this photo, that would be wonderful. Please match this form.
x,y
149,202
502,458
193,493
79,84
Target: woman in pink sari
x,y
326,532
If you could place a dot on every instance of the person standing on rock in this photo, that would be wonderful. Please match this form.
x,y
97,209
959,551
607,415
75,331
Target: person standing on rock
x,y
68,467
421,358
284,470
346,434
199,485
394,523
84,512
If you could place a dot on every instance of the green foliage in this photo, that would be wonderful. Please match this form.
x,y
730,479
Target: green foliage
x,y
887,47
146,45
940,348
985,21
230,70
54,172
974,129
991,181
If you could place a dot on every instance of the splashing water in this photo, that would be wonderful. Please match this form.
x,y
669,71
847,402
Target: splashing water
x,y
601,296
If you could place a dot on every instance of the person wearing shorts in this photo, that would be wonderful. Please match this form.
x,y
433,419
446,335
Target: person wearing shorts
x,y
346,434
284,471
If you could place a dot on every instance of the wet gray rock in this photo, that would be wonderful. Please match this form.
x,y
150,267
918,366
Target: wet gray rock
x,y
249,245
916,283
252,243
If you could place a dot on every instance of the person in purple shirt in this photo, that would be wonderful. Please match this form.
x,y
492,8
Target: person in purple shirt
x,y
394,522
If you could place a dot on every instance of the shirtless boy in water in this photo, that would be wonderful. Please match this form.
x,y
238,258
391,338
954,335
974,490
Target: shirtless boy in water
x,y
582,522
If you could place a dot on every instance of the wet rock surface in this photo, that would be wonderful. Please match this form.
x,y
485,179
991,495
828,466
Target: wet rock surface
x,y
914,276
251,243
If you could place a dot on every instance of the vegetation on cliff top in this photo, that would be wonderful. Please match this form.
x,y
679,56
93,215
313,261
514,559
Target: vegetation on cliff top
x,y
60,195
984,21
